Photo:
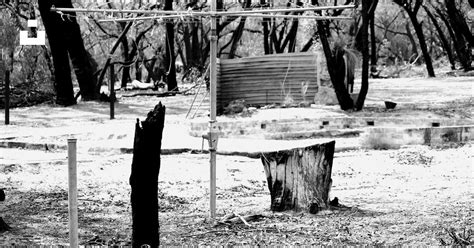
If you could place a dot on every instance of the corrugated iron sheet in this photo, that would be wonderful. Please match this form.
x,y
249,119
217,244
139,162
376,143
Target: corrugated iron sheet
x,y
270,79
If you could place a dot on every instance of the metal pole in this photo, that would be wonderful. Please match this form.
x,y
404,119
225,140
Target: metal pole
x,y
112,92
72,179
247,15
202,13
212,123
7,97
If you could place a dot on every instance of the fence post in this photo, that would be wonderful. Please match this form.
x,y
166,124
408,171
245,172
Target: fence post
x,y
7,97
72,196
112,92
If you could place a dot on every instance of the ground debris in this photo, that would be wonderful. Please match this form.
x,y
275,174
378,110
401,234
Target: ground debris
x,y
98,241
414,157
26,94
464,237
234,218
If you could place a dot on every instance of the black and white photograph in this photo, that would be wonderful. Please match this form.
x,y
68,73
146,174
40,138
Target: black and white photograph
x,y
147,123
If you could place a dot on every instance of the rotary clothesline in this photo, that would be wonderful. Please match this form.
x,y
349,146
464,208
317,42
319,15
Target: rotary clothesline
x,y
173,14
202,13
179,14
213,135
248,15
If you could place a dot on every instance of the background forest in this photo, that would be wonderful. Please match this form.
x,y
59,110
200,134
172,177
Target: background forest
x,y
402,34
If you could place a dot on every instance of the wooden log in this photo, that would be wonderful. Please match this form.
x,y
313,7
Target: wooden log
x,y
144,178
300,179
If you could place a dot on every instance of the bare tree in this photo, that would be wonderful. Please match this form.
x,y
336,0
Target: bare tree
x,y
412,7
463,35
65,40
335,64
460,46
442,37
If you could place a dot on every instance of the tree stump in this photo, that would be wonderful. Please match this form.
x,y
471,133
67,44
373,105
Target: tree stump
x,y
3,226
144,178
300,179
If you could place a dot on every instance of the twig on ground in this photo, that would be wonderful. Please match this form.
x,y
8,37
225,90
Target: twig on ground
x,y
243,220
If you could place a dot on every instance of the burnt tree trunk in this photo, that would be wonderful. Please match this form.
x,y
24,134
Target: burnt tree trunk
x,y
300,179
144,178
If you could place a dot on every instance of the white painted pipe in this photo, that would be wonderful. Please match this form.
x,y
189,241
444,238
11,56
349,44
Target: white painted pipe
x,y
72,196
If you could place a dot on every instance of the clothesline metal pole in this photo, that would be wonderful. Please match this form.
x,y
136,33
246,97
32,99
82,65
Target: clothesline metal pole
x,y
213,134
247,15
201,13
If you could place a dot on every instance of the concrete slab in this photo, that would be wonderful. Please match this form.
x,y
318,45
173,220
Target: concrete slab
x,y
49,126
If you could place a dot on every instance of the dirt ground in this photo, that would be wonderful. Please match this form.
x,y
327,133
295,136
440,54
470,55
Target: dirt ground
x,y
411,196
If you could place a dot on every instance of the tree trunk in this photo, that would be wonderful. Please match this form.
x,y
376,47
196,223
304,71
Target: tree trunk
x,y
187,56
62,71
138,68
291,36
358,35
123,35
373,45
336,68
266,36
126,57
424,48
458,21
196,45
464,37
300,179
64,37
144,178
463,56
365,57
170,58
237,34
414,48
442,37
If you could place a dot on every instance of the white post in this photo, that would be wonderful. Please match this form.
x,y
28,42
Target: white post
x,y
212,123
72,196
